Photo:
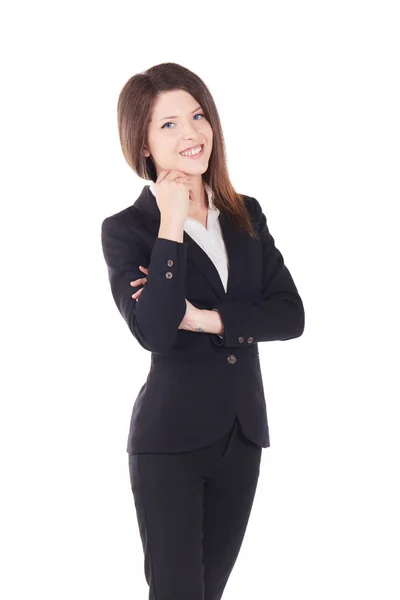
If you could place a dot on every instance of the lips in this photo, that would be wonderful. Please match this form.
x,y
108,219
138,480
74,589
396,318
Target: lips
x,y
192,147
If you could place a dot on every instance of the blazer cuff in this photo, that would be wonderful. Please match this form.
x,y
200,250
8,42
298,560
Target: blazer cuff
x,y
247,323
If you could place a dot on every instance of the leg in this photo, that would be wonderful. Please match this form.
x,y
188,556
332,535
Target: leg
x,y
228,500
169,496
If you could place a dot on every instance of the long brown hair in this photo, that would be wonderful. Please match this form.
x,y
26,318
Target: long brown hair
x,y
135,104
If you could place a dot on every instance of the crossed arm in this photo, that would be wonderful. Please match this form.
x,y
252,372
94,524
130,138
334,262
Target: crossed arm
x,y
195,319
163,309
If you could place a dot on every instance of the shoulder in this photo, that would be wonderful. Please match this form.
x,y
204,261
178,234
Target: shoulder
x,y
123,221
255,210
252,204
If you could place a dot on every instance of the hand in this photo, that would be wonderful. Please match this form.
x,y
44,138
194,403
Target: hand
x,y
191,311
173,191
189,320
136,282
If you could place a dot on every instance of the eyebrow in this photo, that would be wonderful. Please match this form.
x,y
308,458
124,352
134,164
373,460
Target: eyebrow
x,y
176,117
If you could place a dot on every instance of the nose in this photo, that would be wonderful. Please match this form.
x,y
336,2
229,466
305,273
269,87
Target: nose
x,y
190,129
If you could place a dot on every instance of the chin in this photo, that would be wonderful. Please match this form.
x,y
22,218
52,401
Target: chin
x,y
193,169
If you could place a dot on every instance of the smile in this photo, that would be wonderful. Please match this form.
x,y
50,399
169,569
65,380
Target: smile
x,y
194,153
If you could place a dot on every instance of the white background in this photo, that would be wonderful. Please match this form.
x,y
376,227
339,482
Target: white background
x,y
308,95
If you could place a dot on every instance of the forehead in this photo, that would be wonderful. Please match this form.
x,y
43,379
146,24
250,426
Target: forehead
x,y
175,102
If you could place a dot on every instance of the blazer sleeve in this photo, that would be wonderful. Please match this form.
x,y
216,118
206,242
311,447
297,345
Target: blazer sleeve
x,y
154,319
280,313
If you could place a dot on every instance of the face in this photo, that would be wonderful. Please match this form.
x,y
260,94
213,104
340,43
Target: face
x,y
177,123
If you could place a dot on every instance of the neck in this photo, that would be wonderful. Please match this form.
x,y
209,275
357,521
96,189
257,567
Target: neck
x,y
198,197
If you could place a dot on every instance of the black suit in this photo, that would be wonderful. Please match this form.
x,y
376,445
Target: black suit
x,y
198,382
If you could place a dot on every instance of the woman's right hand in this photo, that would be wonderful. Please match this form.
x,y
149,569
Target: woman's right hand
x,y
172,191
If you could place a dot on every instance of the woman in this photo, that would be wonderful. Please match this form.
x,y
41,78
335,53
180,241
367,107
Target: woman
x,y
212,285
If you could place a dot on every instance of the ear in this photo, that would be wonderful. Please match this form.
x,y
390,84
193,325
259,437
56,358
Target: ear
x,y
146,152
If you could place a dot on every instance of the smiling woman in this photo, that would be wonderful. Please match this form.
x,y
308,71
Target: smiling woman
x,y
166,110
212,286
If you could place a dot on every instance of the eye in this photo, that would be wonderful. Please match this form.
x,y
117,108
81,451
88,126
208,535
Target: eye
x,y
169,122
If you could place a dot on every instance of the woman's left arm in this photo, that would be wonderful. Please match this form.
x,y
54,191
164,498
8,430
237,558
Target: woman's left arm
x,y
280,313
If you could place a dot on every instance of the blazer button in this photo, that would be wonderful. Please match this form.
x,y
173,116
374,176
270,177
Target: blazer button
x,y
168,275
231,359
249,340
170,262
241,340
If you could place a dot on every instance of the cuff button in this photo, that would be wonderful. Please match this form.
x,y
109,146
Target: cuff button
x,y
249,340
170,262
168,275
241,340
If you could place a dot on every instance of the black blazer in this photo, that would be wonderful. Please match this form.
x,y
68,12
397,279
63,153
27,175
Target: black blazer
x,y
198,382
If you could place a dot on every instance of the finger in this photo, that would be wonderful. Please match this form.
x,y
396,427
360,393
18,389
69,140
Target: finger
x,y
182,180
162,175
137,294
140,281
173,175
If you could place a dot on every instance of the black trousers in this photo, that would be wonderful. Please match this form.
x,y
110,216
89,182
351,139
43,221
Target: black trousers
x,y
192,509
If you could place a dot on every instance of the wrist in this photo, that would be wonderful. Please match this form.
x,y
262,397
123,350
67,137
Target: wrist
x,y
206,321
220,323
171,231
209,321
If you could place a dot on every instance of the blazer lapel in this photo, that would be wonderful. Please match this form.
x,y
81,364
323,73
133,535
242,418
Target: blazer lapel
x,y
146,204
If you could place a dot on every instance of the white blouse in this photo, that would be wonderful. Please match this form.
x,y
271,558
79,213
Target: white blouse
x,y
210,239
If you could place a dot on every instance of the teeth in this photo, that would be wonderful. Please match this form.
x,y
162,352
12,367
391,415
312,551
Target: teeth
x,y
191,152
